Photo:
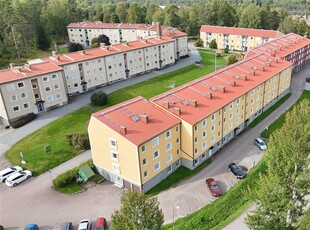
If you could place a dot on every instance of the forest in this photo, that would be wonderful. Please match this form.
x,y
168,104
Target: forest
x,y
30,26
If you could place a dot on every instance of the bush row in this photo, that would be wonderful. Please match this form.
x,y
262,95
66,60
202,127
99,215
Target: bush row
x,y
24,120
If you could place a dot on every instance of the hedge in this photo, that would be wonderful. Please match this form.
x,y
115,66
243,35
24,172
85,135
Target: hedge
x,y
23,120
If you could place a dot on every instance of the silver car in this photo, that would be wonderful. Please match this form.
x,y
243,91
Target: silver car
x,y
260,143
5,173
17,178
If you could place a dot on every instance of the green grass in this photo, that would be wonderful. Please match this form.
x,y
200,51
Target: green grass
x,y
223,210
71,188
304,223
269,111
54,134
277,124
180,174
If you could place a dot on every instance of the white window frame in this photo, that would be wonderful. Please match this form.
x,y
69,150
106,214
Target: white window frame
x,y
168,134
10,87
155,157
48,87
12,97
111,141
54,76
15,111
45,78
57,84
212,139
157,164
56,96
23,86
168,146
145,161
168,158
143,148
178,163
204,134
204,123
169,169
50,98
212,117
112,155
145,176
155,141
27,103
116,168
204,145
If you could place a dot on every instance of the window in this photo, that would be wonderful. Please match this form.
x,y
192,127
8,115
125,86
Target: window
x,y
168,147
13,98
100,69
212,138
169,158
20,85
230,125
178,151
231,105
36,96
116,168
34,85
230,116
58,96
76,85
237,111
204,145
26,105
143,148
16,108
113,143
145,174
177,164
203,156
168,134
10,87
196,161
56,86
47,89
23,95
155,142
204,123
195,128
238,101
144,161
54,76
157,166
50,98
196,139
114,156
178,141
212,128
212,117
196,151
169,169
156,154
87,63
45,78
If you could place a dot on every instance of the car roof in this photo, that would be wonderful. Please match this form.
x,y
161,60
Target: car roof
x,y
14,175
65,226
6,171
259,139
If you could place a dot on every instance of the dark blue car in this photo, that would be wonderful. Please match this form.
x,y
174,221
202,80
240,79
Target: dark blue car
x,y
31,227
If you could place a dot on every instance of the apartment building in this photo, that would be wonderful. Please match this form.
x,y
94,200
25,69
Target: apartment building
x,y
84,32
33,88
291,47
239,39
93,68
217,107
138,144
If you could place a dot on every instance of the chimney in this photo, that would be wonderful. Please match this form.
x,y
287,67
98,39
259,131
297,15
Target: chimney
x,y
166,104
82,52
177,111
273,51
221,88
261,68
193,102
252,72
158,27
123,130
208,95
54,53
145,118
268,64
243,77
101,45
232,83
12,65
276,60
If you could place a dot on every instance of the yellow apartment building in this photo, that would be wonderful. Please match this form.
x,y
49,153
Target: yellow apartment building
x,y
135,144
239,39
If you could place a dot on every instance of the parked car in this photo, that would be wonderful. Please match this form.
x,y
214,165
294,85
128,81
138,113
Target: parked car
x,y
236,170
260,143
101,224
31,227
5,173
84,224
66,226
214,187
17,178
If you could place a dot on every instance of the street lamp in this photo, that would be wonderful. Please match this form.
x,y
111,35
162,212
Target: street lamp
x,y
177,207
50,173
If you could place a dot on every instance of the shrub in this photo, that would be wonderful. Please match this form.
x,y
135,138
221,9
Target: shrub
x,y
99,98
79,141
198,43
22,121
232,59
75,46
213,44
226,50
47,148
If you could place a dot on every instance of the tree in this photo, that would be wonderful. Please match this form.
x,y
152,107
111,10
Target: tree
x,y
159,16
114,18
251,17
151,9
103,39
43,42
199,43
302,28
94,43
99,98
281,197
135,14
137,212
289,25
213,44
75,46
232,59
171,16
121,11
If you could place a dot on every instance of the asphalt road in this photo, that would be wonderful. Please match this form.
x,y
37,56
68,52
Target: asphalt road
x,y
35,200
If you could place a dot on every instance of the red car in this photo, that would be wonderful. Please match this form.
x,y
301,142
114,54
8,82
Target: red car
x,y
213,187
101,224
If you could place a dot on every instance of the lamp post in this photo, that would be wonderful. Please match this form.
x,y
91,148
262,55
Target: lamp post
x,y
50,173
177,207
215,61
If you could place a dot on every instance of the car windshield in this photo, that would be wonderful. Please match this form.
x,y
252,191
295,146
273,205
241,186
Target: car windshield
x,y
214,186
237,169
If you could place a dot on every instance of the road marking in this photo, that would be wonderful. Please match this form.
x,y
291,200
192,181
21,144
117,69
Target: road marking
x,y
201,204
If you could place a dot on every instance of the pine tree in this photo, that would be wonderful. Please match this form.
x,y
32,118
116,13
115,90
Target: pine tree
x,y
43,42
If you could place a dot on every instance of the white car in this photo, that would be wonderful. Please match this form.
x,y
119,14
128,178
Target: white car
x,y
17,178
5,173
260,143
84,224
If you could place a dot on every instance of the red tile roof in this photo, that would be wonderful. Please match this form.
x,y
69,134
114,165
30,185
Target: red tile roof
x,y
174,33
282,46
230,77
101,52
102,25
22,72
240,31
130,115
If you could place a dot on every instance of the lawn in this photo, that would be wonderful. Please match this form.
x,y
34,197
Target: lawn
x,y
55,133
279,122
